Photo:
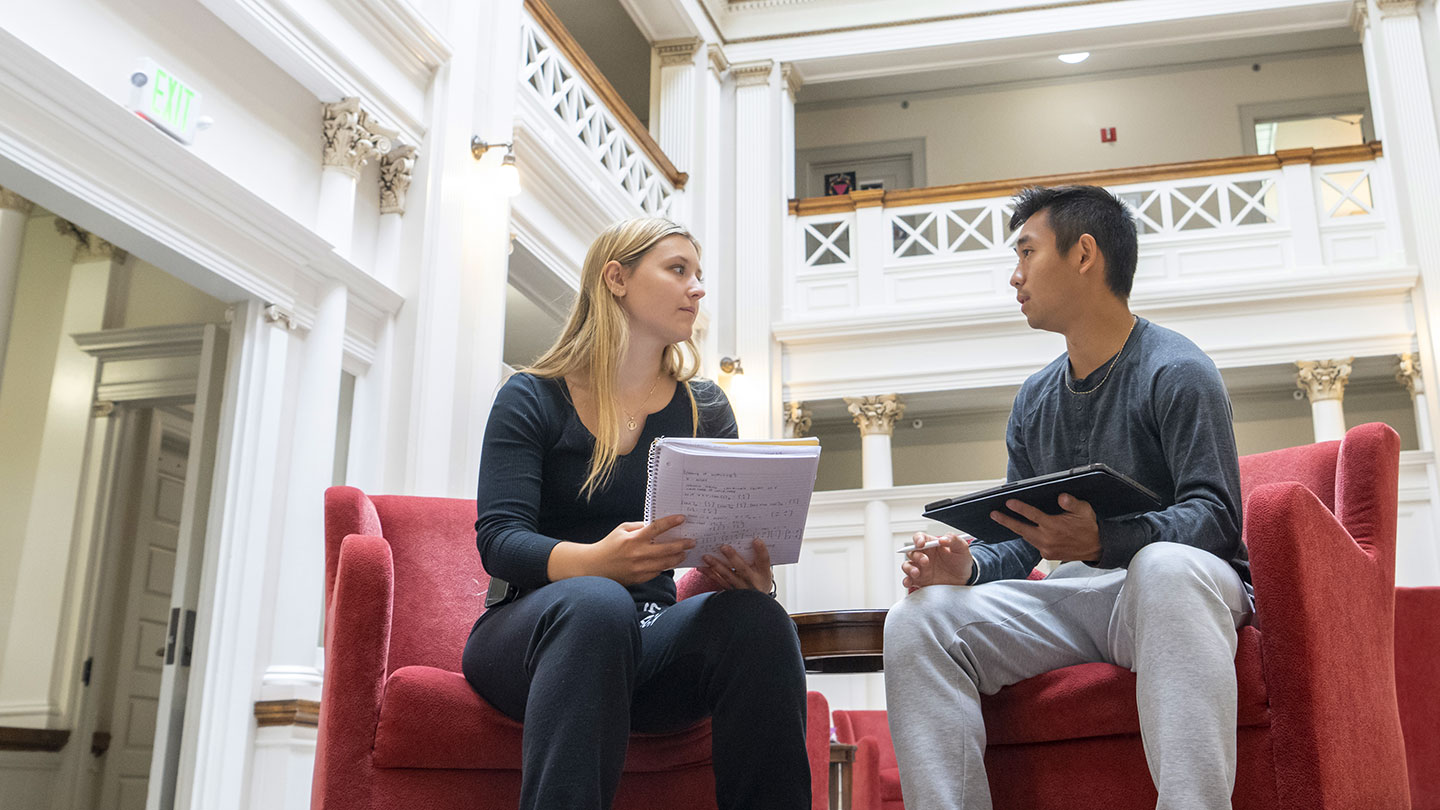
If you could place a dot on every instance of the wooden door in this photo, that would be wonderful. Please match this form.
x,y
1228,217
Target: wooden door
x,y
147,613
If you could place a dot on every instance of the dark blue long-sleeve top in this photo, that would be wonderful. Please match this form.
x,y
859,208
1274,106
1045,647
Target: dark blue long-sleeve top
x,y
1163,418
533,463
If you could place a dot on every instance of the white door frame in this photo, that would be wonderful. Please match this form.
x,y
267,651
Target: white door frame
x,y
137,367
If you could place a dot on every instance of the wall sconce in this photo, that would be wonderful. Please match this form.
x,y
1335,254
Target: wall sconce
x,y
731,365
509,178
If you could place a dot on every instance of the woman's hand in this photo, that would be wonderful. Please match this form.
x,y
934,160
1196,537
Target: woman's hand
x,y
627,555
733,573
948,563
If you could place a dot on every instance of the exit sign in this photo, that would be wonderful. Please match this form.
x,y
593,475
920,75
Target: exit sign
x,y
160,97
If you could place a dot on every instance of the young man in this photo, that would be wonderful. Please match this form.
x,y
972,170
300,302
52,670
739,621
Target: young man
x,y
1161,593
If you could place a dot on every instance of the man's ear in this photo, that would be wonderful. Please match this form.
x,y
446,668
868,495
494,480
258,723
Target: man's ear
x,y
1089,253
614,274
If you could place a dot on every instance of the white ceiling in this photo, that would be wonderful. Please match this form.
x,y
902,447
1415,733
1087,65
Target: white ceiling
x,y
1049,69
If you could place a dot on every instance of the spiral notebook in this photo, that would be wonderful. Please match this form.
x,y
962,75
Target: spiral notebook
x,y
732,491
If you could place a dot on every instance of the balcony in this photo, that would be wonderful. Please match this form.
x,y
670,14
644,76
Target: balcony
x,y
1259,259
581,134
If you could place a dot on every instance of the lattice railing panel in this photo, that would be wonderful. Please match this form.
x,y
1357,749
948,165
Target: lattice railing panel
x,y
558,86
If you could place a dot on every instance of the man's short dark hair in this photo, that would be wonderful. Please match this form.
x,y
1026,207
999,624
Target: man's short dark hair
x,y
1077,210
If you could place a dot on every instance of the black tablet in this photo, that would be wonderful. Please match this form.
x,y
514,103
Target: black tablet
x,y
1110,493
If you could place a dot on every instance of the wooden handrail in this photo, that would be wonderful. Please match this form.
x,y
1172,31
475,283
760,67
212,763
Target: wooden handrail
x,y
1104,177
543,15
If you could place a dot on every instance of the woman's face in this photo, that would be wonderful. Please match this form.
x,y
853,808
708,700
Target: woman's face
x,y
661,296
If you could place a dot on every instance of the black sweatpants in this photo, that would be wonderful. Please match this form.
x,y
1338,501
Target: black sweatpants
x,y
574,662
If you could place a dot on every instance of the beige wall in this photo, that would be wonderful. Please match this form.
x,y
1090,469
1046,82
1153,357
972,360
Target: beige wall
x,y
1160,118
25,390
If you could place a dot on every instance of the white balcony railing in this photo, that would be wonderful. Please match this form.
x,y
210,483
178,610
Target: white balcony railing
x,y
577,100
1302,212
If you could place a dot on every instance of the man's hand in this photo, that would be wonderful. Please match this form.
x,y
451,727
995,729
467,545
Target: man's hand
x,y
948,563
1074,534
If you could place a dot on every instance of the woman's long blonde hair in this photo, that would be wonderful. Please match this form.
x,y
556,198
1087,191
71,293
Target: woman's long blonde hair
x,y
597,333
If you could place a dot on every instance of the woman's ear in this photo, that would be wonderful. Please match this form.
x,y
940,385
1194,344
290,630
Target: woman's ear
x,y
614,274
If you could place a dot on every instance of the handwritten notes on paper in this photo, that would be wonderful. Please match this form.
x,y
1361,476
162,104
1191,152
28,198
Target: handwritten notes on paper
x,y
731,493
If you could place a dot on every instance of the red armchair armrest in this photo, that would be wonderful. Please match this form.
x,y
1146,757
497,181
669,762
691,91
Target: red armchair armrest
x,y
356,651
1321,603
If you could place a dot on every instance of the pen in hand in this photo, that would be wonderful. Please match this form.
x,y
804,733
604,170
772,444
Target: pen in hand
x,y
931,544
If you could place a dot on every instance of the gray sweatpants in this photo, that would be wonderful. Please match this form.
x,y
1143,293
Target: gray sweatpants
x,y
1171,617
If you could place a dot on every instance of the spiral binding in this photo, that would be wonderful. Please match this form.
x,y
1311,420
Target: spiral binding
x,y
652,476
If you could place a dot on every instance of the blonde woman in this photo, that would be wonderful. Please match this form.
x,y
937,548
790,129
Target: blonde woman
x,y
583,639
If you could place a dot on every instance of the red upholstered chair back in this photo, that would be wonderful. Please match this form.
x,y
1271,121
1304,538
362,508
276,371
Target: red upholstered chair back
x,y
1356,478
1311,465
856,724
439,582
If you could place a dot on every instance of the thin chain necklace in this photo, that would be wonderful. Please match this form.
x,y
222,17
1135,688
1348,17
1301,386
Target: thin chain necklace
x,y
1134,320
630,422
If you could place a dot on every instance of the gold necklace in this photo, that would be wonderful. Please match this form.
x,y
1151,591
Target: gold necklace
x,y
1134,320
630,422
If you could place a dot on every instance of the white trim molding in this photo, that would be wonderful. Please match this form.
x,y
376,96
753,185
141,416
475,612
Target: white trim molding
x,y
68,148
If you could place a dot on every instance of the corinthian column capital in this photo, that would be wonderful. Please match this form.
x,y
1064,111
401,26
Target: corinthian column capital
x,y
353,136
395,174
797,418
10,201
876,415
1323,380
1407,373
88,246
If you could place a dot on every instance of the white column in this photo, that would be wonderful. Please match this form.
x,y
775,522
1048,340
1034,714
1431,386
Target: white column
x,y
710,197
759,216
14,213
678,99
1323,381
396,169
454,335
292,670
1408,374
352,137
29,665
1412,147
375,392
876,417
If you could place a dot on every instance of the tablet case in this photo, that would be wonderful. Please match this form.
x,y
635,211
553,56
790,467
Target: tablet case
x,y
1110,493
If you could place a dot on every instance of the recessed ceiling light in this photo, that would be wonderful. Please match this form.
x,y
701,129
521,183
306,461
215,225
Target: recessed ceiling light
x,y
1074,58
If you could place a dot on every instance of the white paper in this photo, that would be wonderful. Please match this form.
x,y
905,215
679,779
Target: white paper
x,y
730,495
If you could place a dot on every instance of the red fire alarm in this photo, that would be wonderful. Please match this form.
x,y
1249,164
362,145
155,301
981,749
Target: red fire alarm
x,y
1107,135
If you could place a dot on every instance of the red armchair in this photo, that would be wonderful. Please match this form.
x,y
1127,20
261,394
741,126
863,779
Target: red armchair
x,y
1417,685
399,724
1318,723
876,777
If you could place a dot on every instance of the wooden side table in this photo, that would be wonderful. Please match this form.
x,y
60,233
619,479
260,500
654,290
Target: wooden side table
x,y
844,641
842,774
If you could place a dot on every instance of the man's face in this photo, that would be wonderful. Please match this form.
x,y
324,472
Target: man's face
x,y
1045,281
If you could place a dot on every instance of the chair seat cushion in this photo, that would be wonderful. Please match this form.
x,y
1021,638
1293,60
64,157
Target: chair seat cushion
x,y
1098,700
431,718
